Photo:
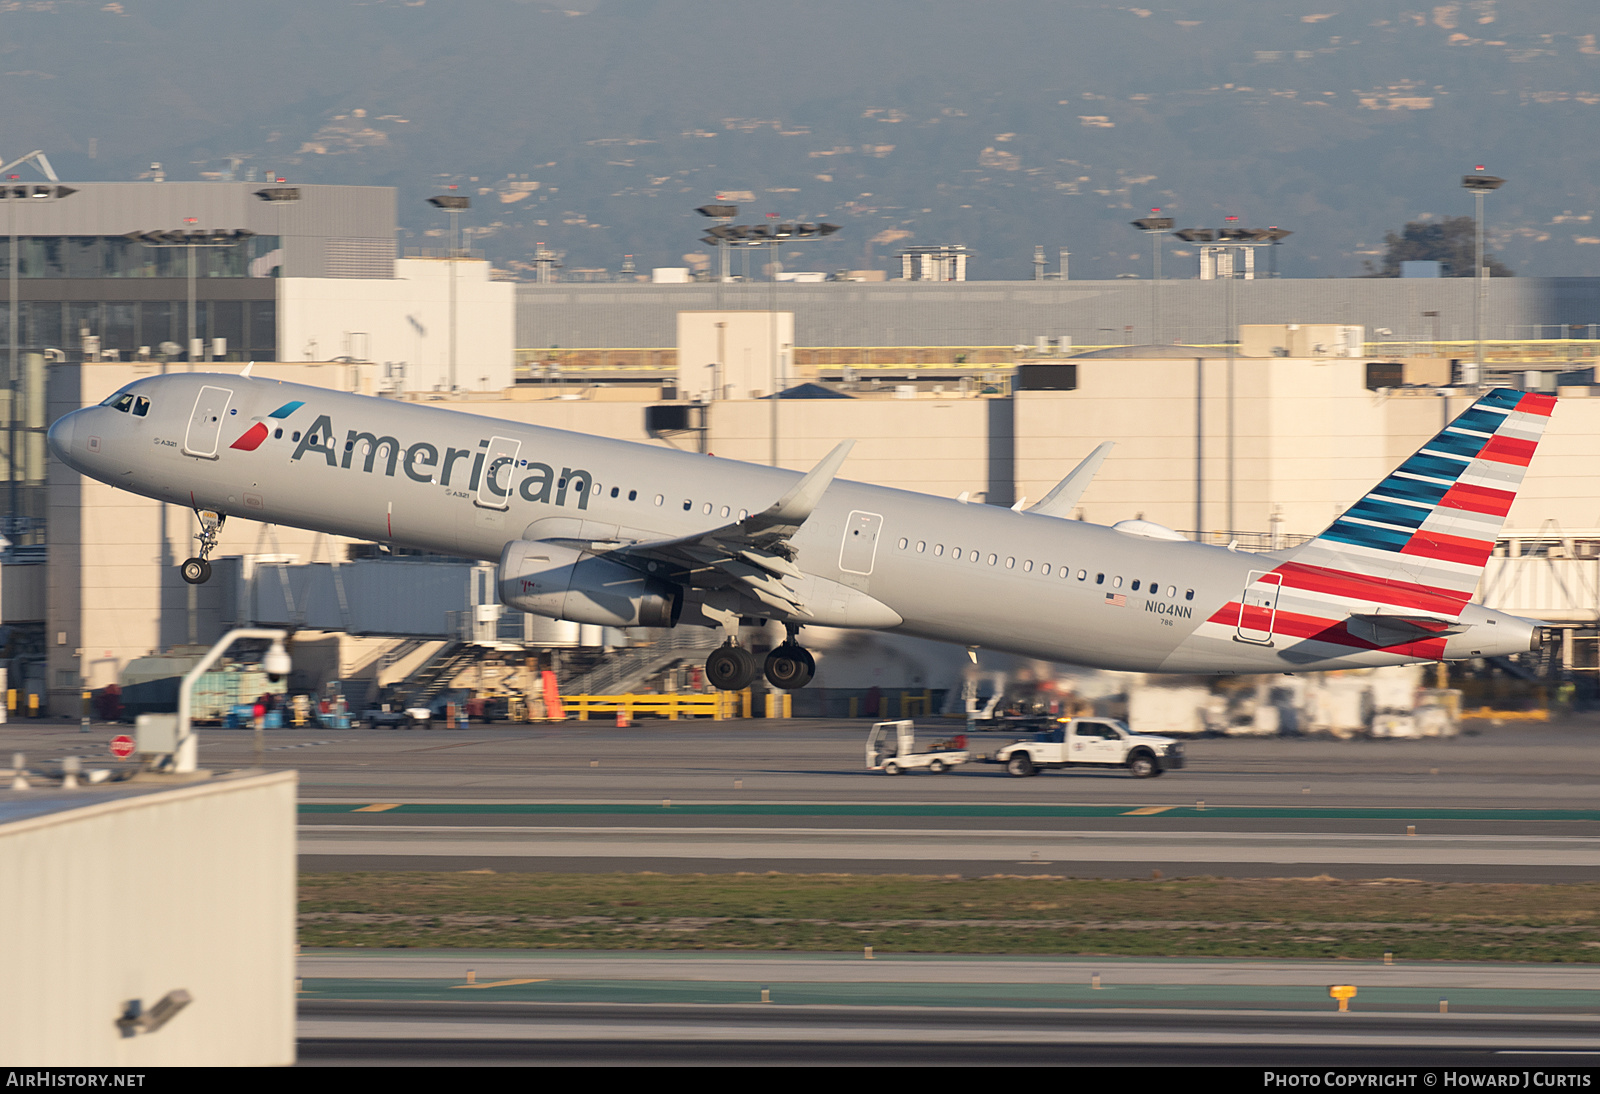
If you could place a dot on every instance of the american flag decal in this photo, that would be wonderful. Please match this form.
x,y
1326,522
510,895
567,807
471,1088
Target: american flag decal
x,y
1117,600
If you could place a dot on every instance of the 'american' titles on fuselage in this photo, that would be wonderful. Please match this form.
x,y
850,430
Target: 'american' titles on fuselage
x,y
422,462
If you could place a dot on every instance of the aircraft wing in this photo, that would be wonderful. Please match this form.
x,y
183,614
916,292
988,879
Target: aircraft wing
x,y
753,556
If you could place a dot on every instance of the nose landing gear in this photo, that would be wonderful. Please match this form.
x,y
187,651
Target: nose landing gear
x,y
197,570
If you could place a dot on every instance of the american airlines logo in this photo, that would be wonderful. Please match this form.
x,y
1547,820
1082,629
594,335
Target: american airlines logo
x,y
252,437
423,462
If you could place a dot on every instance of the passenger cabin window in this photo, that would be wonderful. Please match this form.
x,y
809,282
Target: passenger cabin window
x,y
1116,582
1189,595
633,495
1099,579
660,498
1135,584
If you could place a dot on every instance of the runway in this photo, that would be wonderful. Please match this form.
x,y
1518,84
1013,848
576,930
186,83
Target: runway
x,y
887,848
1510,803
690,1008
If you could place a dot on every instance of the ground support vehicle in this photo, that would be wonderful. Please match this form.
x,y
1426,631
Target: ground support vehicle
x,y
892,748
409,718
1091,742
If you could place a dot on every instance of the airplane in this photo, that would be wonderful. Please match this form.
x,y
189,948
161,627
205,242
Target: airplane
x,y
622,534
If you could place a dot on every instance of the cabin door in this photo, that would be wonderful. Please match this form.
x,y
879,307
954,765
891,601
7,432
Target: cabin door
x,y
1258,607
860,546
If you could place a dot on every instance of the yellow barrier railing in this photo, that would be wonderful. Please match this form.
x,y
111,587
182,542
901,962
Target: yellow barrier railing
x,y
717,705
912,705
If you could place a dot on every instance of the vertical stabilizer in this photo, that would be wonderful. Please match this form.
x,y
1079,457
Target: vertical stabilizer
x,y
1418,541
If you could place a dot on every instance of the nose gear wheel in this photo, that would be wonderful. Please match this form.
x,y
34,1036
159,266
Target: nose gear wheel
x,y
197,570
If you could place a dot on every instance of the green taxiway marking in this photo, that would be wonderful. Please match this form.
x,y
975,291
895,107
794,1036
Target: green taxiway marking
x,y
954,810
1290,997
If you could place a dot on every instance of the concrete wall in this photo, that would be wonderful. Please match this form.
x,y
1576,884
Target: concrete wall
x,y
734,354
131,897
1006,313
405,320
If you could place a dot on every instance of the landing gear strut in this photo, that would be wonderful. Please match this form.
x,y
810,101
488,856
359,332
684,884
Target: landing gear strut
x,y
197,571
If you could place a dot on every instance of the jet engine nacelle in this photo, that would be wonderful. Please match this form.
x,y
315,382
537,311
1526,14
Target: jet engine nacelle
x,y
561,582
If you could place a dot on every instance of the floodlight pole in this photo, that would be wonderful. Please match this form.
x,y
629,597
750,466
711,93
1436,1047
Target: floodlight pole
x,y
1479,185
1155,227
453,204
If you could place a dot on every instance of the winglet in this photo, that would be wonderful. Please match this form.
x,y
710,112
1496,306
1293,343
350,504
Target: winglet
x,y
247,368
1059,502
793,508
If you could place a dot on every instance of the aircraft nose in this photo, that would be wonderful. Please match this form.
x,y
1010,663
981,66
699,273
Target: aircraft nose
x,y
61,434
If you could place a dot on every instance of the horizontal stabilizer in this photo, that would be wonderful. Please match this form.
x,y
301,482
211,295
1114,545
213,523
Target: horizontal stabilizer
x,y
1059,502
1384,631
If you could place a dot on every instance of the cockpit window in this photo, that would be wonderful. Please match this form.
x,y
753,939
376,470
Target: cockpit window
x,y
120,401
141,407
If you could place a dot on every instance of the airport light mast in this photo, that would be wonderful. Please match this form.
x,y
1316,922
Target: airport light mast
x,y
1480,185
1155,226
453,204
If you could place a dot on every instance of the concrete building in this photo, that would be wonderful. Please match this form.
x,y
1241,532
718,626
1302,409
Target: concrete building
x,y
309,275
970,314
120,896
435,325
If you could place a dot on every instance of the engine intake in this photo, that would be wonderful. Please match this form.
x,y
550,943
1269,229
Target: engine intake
x,y
561,582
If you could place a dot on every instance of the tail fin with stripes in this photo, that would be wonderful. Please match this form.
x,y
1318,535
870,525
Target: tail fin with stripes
x,y
1418,541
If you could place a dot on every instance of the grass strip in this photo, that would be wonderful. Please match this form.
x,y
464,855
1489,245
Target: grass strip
x,y
1282,918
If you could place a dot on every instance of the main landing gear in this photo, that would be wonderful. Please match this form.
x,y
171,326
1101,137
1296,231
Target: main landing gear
x,y
789,667
197,571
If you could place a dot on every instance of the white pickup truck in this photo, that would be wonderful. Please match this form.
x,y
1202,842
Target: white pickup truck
x,y
1092,742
